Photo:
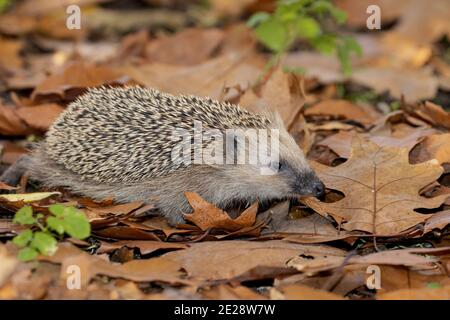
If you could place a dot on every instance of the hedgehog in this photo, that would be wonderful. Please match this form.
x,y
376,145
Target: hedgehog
x,y
118,142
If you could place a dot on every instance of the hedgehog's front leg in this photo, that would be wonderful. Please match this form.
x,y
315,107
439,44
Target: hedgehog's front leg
x,y
12,175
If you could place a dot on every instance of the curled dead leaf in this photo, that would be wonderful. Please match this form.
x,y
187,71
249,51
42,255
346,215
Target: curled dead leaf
x,y
207,216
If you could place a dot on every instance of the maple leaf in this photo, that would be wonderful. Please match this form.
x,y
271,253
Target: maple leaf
x,y
207,215
381,189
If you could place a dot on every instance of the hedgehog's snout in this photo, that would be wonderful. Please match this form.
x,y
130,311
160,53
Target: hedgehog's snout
x,y
318,189
308,184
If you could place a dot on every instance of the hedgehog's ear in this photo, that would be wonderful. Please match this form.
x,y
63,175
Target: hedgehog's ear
x,y
275,119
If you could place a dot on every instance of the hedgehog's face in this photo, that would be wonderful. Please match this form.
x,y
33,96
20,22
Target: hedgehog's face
x,y
288,175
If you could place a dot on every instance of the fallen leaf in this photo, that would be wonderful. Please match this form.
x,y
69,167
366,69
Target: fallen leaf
x,y
10,58
306,229
341,142
10,122
228,292
442,293
402,257
207,216
126,233
119,209
4,186
7,266
187,47
412,84
282,92
28,197
155,269
344,109
381,189
434,21
436,146
432,113
74,80
205,79
395,277
301,292
228,259
40,117
437,221
145,247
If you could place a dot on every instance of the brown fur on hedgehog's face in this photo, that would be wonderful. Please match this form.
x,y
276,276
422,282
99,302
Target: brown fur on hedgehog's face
x,y
291,176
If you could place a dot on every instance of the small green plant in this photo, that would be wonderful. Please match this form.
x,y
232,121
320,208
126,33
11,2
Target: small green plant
x,y
43,232
299,19
4,4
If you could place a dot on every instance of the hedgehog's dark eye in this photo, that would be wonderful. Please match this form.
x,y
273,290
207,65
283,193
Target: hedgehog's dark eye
x,y
280,165
277,165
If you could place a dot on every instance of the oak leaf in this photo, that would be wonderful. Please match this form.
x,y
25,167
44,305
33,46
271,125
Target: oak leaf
x,y
381,189
207,216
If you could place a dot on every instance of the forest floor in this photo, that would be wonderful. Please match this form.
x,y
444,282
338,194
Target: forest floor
x,y
379,138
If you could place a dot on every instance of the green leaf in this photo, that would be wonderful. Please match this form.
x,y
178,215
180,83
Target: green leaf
x,y
321,6
272,33
257,18
352,45
76,224
344,58
23,238
24,216
27,254
434,285
56,224
4,4
308,28
44,243
57,209
325,43
339,15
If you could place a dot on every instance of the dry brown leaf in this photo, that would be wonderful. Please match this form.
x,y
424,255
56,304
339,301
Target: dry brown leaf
x,y
228,292
204,79
437,221
155,269
412,84
381,189
74,80
40,117
119,209
344,109
304,229
402,257
7,265
341,142
10,122
442,293
187,47
301,292
395,277
126,233
145,247
434,19
432,113
230,8
282,93
435,146
9,57
229,259
207,216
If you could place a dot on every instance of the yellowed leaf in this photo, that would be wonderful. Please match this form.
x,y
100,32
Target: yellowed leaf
x,y
28,197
